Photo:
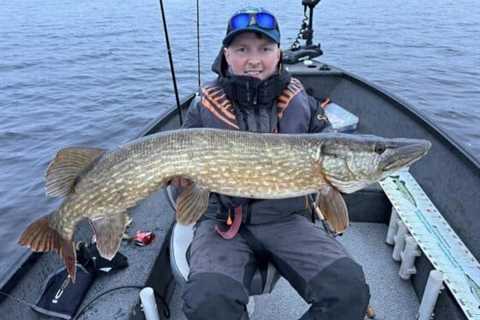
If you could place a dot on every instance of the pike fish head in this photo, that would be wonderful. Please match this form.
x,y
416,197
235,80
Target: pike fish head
x,y
351,162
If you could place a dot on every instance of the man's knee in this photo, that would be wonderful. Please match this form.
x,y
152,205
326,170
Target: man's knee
x,y
341,286
214,296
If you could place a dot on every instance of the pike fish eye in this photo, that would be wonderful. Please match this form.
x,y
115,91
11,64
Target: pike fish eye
x,y
380,149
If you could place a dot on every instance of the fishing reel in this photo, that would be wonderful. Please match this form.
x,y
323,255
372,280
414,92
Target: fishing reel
x,y
298,52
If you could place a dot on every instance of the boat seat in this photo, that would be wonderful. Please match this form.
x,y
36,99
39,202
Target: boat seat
x,y
180,240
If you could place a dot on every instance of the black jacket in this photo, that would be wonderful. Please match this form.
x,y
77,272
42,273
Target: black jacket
x,y
277,104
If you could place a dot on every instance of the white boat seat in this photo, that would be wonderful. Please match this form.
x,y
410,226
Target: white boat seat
x,y
180,240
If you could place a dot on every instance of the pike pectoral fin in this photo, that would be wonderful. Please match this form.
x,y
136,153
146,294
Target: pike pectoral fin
x,y
192,204
67,165
40,237
108,232
333,207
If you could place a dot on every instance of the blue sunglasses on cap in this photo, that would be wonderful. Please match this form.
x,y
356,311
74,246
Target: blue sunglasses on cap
x,y
256,20
262,19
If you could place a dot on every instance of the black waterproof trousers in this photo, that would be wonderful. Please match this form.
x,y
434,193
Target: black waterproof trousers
x,y
312,261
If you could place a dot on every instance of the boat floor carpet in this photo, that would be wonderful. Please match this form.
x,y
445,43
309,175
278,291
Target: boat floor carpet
x,y
392,297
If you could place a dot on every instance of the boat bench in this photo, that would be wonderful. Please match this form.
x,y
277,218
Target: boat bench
x,y
416,223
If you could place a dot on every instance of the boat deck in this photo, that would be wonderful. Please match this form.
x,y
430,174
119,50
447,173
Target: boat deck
x,y
392,297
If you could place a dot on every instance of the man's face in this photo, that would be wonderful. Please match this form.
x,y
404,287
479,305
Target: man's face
x,y
250,55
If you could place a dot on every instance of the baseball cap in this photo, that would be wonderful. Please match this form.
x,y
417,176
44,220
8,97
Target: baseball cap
x,y
252,19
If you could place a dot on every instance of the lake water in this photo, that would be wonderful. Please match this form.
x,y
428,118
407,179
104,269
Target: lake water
x,y
94,73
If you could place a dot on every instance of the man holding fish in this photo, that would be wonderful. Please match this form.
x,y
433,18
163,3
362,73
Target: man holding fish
x,y
254,93
247,184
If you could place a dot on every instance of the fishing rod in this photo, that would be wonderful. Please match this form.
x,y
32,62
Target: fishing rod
x,y
198,43
172,69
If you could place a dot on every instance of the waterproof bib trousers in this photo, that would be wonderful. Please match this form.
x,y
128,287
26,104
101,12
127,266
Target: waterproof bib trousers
x,y
310,259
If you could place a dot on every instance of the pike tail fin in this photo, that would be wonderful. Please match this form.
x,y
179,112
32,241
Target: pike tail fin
x,y
40,237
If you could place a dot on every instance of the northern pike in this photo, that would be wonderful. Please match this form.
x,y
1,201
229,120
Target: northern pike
x,y
101,185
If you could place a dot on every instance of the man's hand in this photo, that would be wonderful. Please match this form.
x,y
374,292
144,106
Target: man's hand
x,y
181,182
229,202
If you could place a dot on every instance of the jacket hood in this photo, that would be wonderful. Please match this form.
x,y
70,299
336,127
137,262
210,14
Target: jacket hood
x,y
220,65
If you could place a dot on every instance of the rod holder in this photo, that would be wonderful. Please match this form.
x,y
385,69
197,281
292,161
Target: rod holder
x,y
409,254
399,241
430,295
149,304
392,227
